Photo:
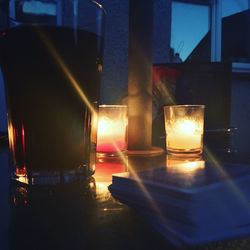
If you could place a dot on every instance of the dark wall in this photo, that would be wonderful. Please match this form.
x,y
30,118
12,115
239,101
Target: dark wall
x,y
115,73
115,70
3,121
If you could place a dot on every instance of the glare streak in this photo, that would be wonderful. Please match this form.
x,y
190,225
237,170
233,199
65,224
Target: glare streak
x,y
67,73
232,185
146,193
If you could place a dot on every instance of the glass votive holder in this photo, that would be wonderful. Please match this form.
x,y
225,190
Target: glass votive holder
x,y
184,125
112,130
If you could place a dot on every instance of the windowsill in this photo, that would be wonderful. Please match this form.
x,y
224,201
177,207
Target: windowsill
x,y
242,68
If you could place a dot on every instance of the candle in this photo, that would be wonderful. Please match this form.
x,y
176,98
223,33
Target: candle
x,y
184,128
112,129
111,135
184,134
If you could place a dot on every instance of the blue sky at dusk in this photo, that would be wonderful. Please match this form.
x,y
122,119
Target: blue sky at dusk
x,y
190,23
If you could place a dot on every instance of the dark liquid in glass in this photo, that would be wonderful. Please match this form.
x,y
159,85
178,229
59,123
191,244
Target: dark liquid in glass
x,y
49,122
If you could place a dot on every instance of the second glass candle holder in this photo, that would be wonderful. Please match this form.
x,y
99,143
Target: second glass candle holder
x,y
112,130
184,126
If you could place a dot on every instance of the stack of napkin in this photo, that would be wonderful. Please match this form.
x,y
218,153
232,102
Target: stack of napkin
x,y
190,204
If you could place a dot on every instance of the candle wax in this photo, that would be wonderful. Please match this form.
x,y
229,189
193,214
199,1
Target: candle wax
x,y
111,136
184,134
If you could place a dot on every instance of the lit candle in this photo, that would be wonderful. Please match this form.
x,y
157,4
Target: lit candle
x,y
185,134
184,128
112,129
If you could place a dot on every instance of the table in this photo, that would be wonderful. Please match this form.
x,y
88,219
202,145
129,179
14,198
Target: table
x,y
78,216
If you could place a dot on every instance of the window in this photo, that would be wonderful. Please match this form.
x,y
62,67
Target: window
x,y
190,23
230,7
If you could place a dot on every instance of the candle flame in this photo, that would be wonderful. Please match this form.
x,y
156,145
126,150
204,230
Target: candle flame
x,y
104,126
186,127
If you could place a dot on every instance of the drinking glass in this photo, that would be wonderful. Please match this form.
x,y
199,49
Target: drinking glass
x,y
51,59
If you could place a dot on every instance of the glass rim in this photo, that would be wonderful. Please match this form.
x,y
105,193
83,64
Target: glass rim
x,y
185,106
112,106
100,6
15,21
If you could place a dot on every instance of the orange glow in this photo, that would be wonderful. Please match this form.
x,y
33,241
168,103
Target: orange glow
x,y
103,175
186,127
184,134
94,124
21,196
106,167
185,164
11,137
102,192
21,172
110,133
187,167
23,140
112,129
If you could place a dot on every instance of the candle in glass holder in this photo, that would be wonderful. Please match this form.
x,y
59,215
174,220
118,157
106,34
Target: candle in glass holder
x,y
184,129
112,130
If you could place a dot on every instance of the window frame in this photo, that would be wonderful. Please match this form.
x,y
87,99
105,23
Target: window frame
x,y
215,13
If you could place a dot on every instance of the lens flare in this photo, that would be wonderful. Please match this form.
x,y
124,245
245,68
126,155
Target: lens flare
x,y
211,158
55,55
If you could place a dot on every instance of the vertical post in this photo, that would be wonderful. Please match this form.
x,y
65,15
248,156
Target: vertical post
x,y
139,75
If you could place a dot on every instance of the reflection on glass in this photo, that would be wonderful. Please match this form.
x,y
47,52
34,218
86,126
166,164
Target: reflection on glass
x,y
184,172
184,165
105,167
20,196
